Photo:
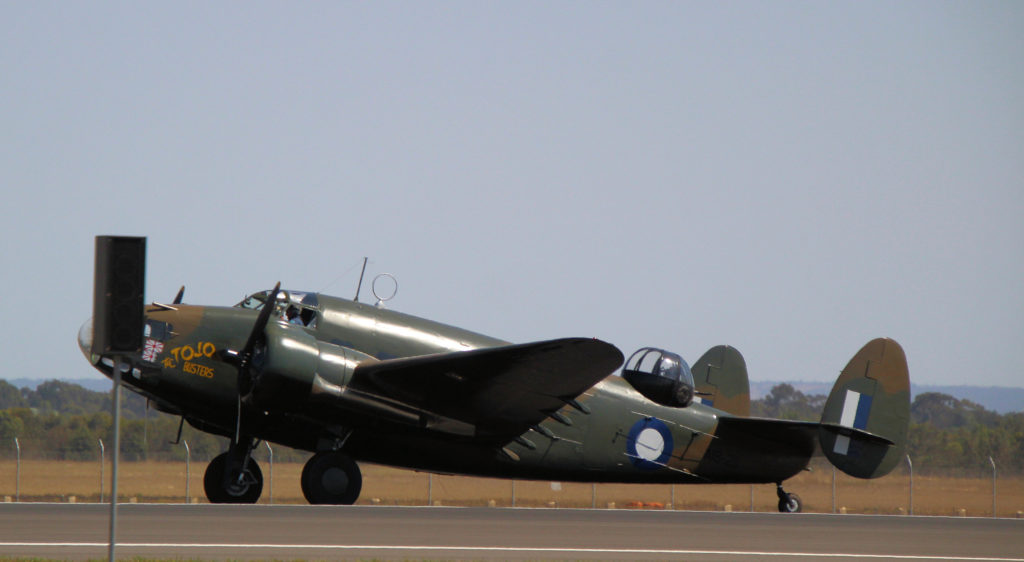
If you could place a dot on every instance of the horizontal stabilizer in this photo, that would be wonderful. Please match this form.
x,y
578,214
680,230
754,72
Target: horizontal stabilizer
x,y
863,429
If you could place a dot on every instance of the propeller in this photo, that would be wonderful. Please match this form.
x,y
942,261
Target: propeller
x,y
181,295
245,357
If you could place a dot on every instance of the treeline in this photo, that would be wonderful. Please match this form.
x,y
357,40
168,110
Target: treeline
x,y
946,434
62,420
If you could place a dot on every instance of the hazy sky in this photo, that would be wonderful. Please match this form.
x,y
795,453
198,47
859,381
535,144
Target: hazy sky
x,y
793,179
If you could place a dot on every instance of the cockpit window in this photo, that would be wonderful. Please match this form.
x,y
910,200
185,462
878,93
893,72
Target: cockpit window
x,y
292,307
254,301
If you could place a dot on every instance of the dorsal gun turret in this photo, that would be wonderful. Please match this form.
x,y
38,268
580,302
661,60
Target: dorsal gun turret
x,y
661,376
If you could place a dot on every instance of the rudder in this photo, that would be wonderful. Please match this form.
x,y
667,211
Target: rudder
x,y
863,428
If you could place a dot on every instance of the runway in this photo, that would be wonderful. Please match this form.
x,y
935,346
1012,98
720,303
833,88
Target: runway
x,y
80,531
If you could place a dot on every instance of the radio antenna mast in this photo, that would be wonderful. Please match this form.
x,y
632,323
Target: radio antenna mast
x,y
360,285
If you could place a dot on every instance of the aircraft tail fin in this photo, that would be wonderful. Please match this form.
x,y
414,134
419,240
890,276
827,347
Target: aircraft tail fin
x,y
863,429
720,379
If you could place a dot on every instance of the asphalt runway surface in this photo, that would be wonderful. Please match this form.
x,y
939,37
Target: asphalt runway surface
x,y
286,532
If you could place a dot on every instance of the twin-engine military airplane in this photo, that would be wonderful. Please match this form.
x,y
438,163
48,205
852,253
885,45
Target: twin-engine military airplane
x,y
349,381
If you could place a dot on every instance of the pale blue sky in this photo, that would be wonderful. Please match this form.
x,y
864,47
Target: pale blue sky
x,y
793,179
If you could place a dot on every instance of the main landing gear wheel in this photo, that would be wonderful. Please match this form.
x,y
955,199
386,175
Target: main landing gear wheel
x,y
788,502
331,477
246,489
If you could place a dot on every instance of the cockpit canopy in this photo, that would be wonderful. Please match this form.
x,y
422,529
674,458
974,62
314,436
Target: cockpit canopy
x,y
293,307
661,376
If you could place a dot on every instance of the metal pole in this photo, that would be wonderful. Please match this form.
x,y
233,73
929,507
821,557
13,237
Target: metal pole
x,y
145,434
102,451
513,493
910,465
360,285
188,471
672,499
430,489
117,450
270,451
751,498
833,489
993,463
593,495
17,476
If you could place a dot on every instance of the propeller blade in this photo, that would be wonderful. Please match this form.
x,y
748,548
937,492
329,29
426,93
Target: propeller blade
x,y
245,357
257,329
181,295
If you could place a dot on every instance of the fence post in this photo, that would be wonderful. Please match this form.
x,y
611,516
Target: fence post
x,y
17,475
910,465
270,451
430,488
833,489
513,493
188,471
102,455
993,463
751,498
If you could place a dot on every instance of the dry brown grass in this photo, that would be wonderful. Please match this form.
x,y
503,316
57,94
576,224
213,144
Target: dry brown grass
x,y
165,482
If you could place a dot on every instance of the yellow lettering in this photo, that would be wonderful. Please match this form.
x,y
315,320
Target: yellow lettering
x,y
187,353
197,369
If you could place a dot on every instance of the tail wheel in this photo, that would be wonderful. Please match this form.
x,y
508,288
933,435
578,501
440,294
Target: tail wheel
x,y
246,489
331,477
790,503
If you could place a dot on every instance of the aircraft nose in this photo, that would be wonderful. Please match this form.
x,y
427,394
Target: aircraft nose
x,y
85,341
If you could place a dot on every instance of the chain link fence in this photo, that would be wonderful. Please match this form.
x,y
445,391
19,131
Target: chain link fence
x,y
29,471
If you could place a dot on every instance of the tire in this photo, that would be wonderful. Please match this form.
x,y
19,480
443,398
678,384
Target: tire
x,y
247,492
331,478
791,503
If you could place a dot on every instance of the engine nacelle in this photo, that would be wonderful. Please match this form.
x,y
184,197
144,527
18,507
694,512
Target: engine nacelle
x,y
295,372
291,364
661,376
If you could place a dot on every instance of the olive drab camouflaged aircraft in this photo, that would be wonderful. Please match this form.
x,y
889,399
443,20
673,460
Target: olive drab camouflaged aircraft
x,y
353,382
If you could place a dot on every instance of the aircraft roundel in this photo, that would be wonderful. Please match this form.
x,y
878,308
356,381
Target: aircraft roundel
x,y
649,444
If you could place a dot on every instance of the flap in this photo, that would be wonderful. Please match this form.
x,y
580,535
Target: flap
x,y
500,390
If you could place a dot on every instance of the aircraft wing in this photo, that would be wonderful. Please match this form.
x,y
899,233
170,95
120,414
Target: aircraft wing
x,y
500,391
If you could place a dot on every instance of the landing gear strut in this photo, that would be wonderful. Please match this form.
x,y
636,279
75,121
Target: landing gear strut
x,y
234,477
331,477
788,503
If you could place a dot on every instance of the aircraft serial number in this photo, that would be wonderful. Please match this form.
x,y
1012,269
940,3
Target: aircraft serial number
x,y
197,369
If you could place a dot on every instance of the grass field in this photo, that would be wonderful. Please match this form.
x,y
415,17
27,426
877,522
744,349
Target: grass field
x,y
43,480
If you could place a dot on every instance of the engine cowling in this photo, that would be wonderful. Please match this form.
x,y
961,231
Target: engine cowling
x,y
292,364
661,376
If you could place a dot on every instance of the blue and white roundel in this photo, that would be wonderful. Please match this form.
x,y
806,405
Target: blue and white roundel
x,y
649,444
